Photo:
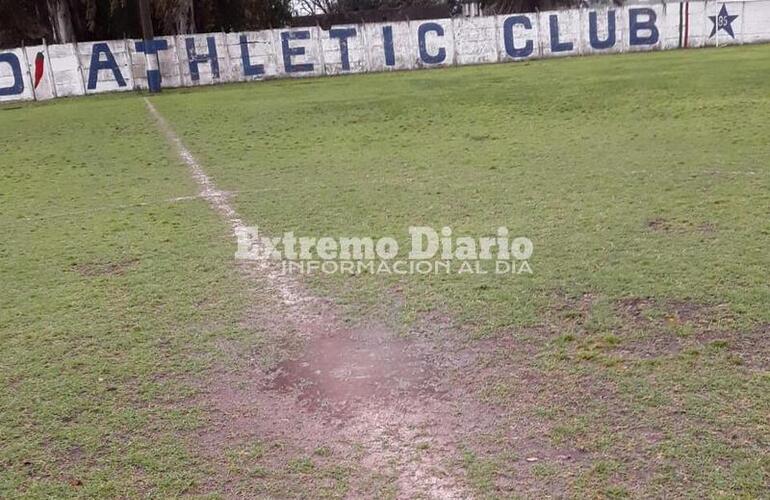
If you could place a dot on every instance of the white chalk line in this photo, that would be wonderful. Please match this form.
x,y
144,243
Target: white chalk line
x,y
288,290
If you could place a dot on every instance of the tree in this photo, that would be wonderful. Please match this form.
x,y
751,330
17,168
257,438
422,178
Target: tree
x,y
314,7
65,21
60,19
240,15
23,21
174,16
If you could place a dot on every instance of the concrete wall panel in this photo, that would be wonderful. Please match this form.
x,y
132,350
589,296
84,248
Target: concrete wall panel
x,y
475,40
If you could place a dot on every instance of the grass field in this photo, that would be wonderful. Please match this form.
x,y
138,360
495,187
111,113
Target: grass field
x,y
634,361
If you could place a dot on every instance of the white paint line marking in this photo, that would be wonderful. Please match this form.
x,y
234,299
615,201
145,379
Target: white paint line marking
x,y
287,288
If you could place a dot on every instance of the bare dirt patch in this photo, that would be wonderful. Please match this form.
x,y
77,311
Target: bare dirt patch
x,y
661,328
662,225
93,269
659,224
650,313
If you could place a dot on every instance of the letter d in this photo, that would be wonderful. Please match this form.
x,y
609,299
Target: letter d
x,y
431,237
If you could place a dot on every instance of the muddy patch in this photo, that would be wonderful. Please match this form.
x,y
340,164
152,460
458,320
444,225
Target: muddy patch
x,y
341,370
397,411
385,407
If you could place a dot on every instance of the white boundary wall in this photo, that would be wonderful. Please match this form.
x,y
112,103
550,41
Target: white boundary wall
x,y
205,59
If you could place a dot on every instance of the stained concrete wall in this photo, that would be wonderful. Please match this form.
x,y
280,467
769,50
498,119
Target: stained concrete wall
x,y
211,58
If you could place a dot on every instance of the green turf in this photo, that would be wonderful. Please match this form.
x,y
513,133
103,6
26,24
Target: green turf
x,y
636,176
578,155
111,299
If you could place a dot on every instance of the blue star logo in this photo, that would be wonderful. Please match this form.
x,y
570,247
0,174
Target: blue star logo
x,y
723,21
